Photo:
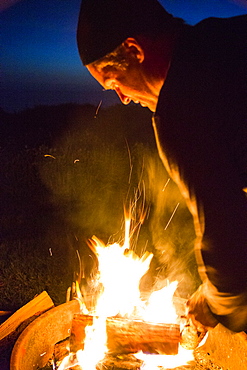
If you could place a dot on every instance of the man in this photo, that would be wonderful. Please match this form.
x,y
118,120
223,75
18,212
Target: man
x,y
194,80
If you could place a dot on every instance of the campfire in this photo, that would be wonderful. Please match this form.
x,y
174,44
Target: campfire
x,y
121,324
118,329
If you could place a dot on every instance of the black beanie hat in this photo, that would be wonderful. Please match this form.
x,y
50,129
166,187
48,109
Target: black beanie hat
x,y
104,24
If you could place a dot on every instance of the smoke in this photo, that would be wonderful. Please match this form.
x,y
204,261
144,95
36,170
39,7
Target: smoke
x,y
96,169
91,186
171,228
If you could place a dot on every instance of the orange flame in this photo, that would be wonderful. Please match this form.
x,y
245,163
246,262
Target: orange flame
x,y
119,272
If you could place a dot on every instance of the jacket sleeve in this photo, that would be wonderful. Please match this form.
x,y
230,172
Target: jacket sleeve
x,y
205,173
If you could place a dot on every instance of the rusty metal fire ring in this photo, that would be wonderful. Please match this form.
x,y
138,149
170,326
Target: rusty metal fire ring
x,y
35,345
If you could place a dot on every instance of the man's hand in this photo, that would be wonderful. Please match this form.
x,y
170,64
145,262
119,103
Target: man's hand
x,y
199,311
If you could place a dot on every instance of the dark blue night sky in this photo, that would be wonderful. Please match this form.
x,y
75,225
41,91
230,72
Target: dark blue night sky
x,y
40,63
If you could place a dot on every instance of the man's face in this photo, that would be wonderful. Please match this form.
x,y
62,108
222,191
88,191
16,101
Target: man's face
x,y
131,84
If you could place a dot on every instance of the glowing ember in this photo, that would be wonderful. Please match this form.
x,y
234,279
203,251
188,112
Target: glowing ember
x,y
120,271
154,362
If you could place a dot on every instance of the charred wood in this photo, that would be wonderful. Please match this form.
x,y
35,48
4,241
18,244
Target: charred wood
x,y
129,336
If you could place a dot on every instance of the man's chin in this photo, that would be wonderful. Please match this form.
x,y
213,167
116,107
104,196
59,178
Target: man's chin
x,y
145,105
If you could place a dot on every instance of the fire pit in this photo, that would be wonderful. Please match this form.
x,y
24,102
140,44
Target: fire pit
x,y
120,325
222,350
35,345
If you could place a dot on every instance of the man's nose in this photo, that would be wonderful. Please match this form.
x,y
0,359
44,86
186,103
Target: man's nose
x,y
124,99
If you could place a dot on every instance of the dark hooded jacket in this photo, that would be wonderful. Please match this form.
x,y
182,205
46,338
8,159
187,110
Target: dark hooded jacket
x,y
201,131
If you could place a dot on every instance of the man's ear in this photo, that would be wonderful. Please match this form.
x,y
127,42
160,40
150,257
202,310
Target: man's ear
x,y
134,48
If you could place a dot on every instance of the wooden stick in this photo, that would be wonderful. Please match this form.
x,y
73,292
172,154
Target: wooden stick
x,y
129,336
16,323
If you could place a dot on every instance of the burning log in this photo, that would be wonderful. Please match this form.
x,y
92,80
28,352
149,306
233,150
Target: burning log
x,y
120,362
61,349
77,334
123,362
129,336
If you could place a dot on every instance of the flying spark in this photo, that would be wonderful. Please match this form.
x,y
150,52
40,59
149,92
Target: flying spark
x,y
49,155
173,213
97,110
166,184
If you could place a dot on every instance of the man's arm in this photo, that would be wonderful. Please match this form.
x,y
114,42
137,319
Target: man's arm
x,y
219,208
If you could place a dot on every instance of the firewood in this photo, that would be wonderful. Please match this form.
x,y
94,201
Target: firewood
x,y
61,349
77,334
129,336
123,362
16,323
